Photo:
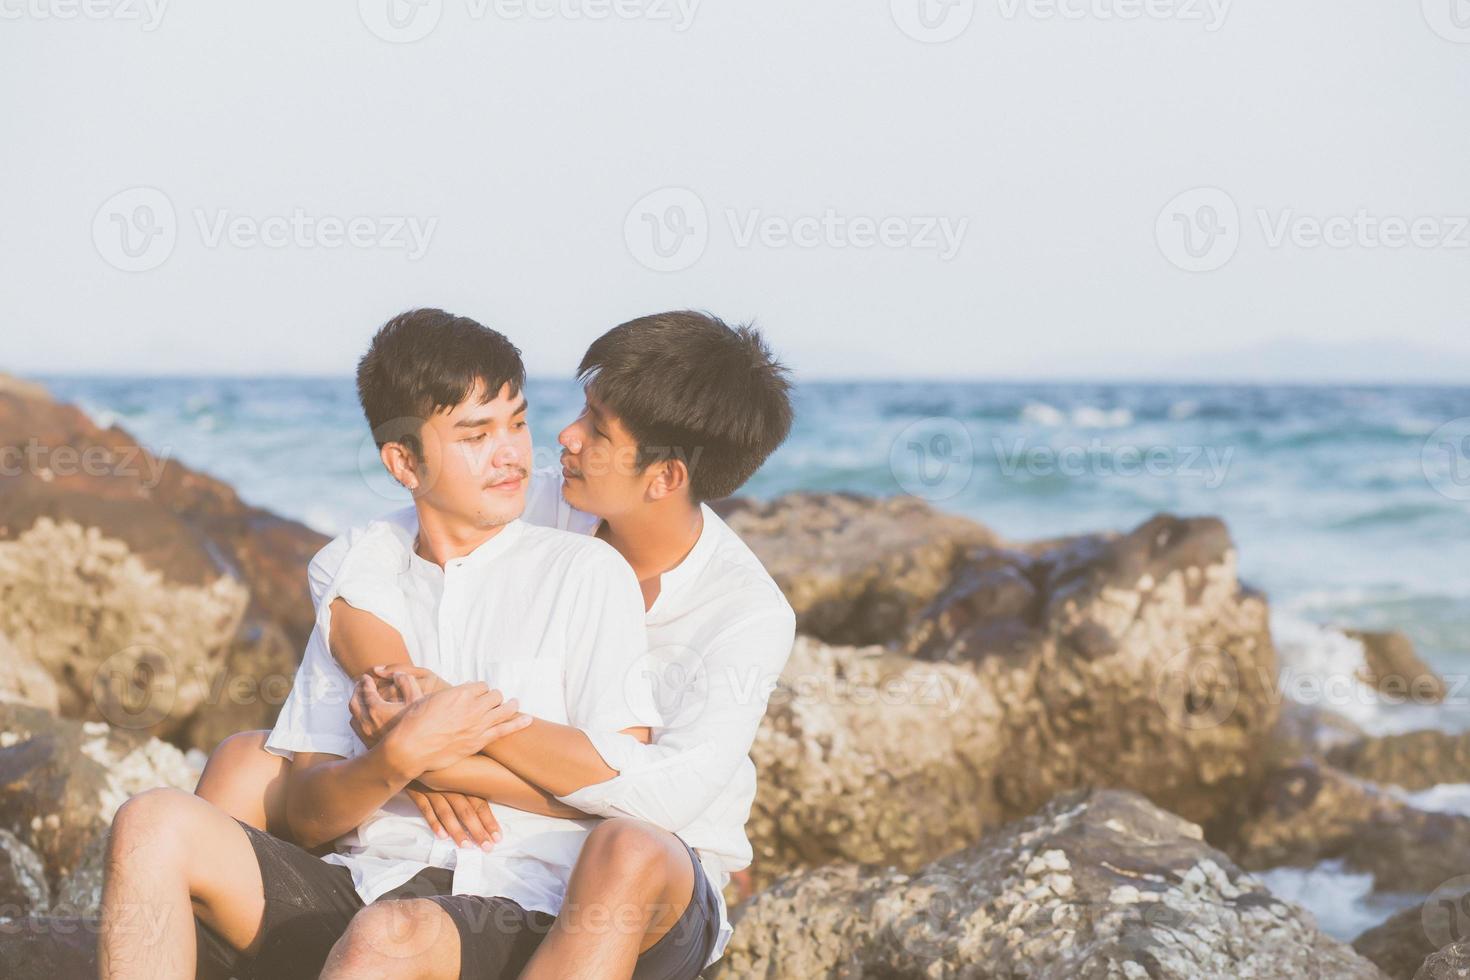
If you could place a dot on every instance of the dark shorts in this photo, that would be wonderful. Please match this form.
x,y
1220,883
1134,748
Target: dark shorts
x,y
497,936
310,903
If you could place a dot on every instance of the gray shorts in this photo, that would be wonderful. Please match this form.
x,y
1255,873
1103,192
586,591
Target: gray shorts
x,y
497,936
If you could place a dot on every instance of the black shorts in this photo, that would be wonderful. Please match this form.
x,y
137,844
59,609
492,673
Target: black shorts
x,y
310,903
497,936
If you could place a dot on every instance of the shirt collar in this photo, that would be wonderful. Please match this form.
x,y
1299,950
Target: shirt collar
x,y
676,579
483,554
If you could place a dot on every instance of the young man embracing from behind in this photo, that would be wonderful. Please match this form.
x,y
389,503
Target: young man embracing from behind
x,y
680,409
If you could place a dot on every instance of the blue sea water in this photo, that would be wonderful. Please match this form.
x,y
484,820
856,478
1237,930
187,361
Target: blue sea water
x,y
1346,506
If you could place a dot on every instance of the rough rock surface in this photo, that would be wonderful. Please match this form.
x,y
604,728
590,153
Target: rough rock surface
x,y
1097,885
23,885
132,579
1413,760
854,568
1308,813
1450,963
1392,666
1400,945
24,679
61,781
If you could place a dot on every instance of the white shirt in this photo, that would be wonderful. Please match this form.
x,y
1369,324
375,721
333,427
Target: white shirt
x,y
718,636
551,618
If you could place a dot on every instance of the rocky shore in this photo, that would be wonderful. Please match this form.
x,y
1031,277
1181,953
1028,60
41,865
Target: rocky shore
x,y
986,758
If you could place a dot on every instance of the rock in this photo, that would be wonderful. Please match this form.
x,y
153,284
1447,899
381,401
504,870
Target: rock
x,y
1450,963
1098,884
21,388
854,568
1308,813
1309,730
1132,661
1400,945
45,947
23,885
61,781
1392,666
1413,760
131,578
1160,683
23,679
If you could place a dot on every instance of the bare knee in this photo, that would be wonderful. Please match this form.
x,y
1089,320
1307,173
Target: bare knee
x,y
390,939
628,851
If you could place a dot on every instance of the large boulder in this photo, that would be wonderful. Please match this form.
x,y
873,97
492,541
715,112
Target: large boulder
x,y
132,579
62,781
854,568
1450,963
1135,661
1097,885
1400,945
1304,814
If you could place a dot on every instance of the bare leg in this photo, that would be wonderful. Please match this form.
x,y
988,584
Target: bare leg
x,y
172,856
247,782
404,939
630,886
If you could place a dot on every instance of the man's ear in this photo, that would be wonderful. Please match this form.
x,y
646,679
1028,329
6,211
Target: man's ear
x,y
669,478
401,464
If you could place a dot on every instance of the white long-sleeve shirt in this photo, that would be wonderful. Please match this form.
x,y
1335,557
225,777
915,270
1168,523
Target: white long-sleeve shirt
x,y
718,636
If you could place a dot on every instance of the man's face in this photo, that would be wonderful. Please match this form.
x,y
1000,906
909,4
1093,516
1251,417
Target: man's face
x,y
600,464
476,460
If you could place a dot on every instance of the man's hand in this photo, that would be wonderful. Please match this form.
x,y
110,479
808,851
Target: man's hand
x,y
467,820
376,705
428,681
438,730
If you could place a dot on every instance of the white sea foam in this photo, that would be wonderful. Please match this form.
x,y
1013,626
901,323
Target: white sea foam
x,y
1444,798
1342,901
1083,416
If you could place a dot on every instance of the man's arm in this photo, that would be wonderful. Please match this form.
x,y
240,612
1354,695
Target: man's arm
x,y
327,796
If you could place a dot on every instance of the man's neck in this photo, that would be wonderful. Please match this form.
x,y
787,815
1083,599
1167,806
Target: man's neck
x,y
442,538
655,539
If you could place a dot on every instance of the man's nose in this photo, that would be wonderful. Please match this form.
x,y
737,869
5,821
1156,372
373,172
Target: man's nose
x,y
570,439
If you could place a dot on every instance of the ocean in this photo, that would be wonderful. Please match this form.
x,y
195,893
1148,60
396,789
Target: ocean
x,y
1350,506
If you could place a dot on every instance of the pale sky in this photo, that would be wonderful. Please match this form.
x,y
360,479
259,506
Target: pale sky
x,y
884,202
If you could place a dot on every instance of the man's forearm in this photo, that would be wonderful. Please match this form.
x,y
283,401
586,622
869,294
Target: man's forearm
x,y
483,777
558,758
327,797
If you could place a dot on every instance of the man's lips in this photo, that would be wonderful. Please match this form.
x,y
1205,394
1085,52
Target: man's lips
x,y
508,485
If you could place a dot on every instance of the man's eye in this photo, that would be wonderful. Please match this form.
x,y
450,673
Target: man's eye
x,y
519,425
477,438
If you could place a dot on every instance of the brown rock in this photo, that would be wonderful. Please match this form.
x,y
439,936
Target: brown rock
x,y
1308,813
1393,666
23,885
130,578
854,568
1400,945
1450,963
1413,760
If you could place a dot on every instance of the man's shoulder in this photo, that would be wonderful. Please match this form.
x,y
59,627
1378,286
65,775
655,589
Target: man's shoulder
x,y
580,549
741,577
